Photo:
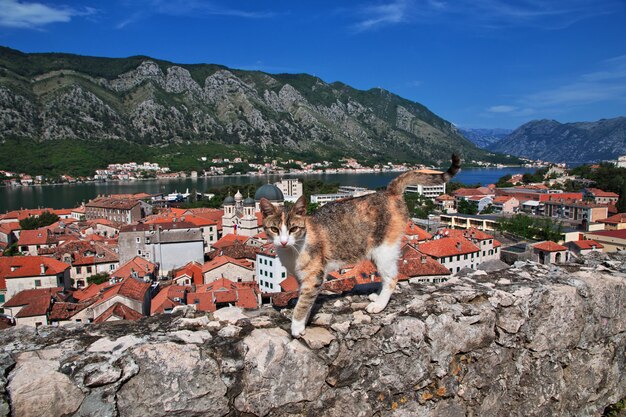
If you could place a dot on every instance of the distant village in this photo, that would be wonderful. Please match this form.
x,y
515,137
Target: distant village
x,y
133,171
123,257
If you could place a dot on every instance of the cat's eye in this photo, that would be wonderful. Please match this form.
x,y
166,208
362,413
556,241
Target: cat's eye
x,y
274,229
294,229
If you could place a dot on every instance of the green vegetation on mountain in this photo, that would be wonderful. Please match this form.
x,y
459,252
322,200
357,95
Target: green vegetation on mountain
x,y
63,113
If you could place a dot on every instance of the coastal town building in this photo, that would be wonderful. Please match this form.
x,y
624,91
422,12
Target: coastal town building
x,y
455,253
291,189
241,217
237,270
224,293
615,222
31,307
270,273
428,191
599,196
86,258
575,210
18,273
117,209
549,252
612,240
505,204
416,266
190,274
584,246
169,245
445,203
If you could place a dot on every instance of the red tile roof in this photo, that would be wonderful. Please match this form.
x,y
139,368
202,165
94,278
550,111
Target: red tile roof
x,y
26,297
168,298
620,234
413,263
211,214
448,246
223,291
29,266
86,253
35,237
64,311
130,288
549,246
290,284
615,219
229,240
471,233
445,197
90,291
7,228
36,307
112,203
587,244
193,270
596,192
23,214
501,199
119,311
416,232
223,260
137,266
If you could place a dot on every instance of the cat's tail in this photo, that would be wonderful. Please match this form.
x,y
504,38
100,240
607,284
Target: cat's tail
x,y
424,177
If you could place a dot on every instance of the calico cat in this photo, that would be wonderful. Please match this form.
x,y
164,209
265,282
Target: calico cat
x,y
344,232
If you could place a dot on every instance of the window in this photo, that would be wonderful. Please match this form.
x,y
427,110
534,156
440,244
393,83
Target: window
x,y
270,263
37,283
79,269
138,239
89,270
465,256
483,253
458,257
139,252
271,286
112,267
458,268
271,275
1,298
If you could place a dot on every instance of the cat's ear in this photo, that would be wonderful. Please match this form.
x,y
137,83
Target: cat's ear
x,y
267,208
300,207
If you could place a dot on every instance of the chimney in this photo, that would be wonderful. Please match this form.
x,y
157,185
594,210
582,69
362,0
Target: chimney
x,y
42,269
423,259
458,246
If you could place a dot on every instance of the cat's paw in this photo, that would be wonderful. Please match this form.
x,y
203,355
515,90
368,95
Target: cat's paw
x,y
375,307
373,296
298,327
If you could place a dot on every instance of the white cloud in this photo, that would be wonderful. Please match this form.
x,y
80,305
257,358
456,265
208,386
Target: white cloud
x,y
501,109
490,14
21,14
186,8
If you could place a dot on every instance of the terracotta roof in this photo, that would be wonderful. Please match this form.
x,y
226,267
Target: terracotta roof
x,y
167,298
166,225
596,192
290,284
193,270
444,197
64,311
35,237
62,212
86,253
112,203
549,246
261,235
26,297
211,214
119,311
189,218
223,260
615,219
501,199
36,307
9,227
137,266
202,301
468,192
130,288
447,246
90,291
620,234
416,231
229,240
413,263
237,251
29,266
23,214
471,233
587,244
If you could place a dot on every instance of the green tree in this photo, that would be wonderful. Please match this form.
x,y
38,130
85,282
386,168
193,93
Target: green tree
x,y
621,203
467,207
98,278
45,219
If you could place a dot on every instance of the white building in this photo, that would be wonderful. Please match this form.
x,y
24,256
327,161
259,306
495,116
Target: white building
x,y
429,191
621,162
291,189
269,271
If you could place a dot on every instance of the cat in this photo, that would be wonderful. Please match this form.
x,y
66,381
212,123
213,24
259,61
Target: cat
x,y
344,232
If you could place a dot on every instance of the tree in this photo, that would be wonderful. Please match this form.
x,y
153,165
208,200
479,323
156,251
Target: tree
x,y
467,207
45,219
98,278
621,203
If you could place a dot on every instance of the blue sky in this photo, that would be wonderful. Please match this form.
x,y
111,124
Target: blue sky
x,y
477,63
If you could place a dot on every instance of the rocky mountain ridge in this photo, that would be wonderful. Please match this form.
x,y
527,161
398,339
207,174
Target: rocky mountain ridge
x,y
47,97
579,142
530,340
483,138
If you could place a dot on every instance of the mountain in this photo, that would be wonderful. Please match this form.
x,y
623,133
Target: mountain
x,y
580,142
483,138
96,110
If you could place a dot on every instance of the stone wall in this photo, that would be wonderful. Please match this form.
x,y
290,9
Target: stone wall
x,y
525,341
